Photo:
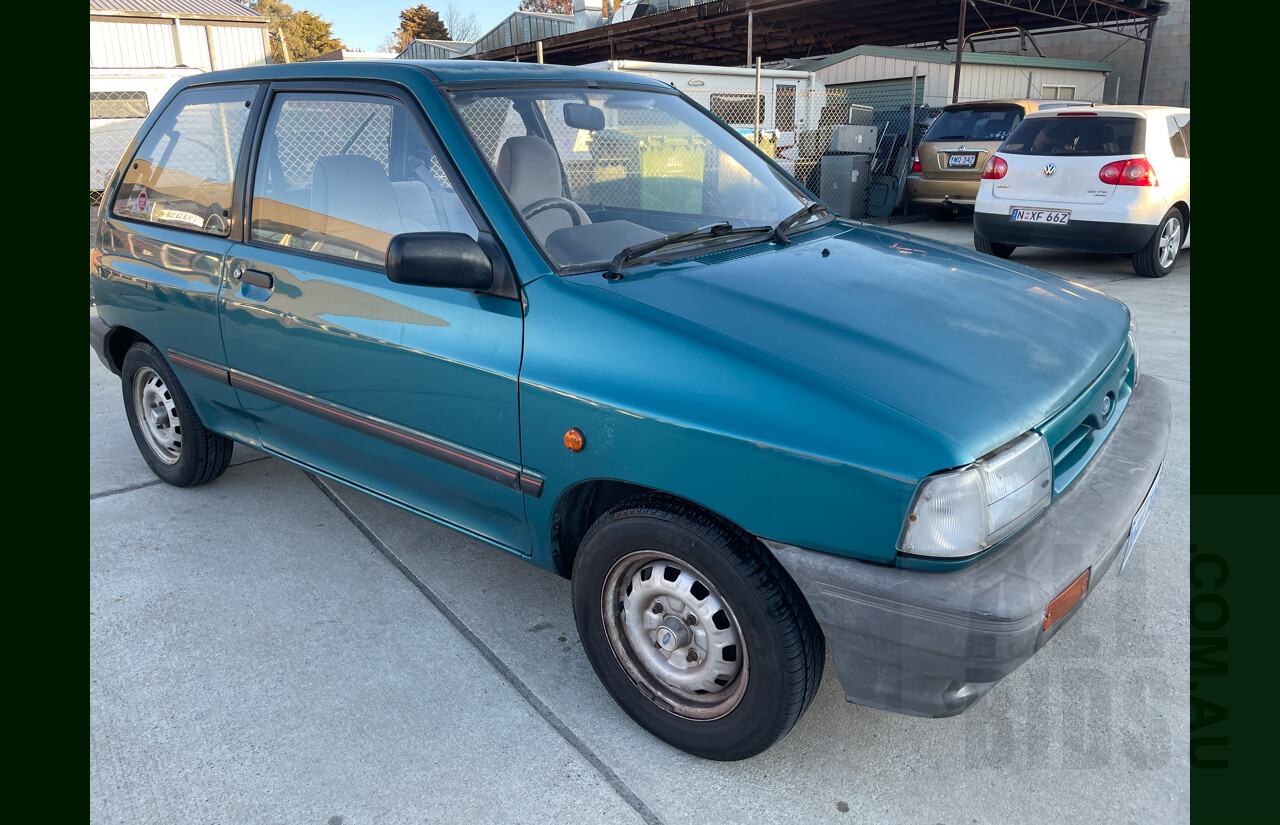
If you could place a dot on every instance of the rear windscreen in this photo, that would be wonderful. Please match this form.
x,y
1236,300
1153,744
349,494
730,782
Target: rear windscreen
x,y
1077,135
976,123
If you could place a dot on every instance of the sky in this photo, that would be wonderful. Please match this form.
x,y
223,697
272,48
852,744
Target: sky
x,y
363,24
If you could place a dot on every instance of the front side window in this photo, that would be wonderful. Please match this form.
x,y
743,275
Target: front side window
x,y
593,172
1089,135
185,169
341,174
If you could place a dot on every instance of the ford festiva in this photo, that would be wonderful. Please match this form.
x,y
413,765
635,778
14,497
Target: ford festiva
x,y
1103,179
576,317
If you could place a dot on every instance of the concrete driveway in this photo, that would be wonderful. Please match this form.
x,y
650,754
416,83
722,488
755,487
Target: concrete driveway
x,y
276,648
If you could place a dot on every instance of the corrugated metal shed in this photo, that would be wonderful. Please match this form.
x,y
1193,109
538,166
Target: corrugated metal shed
x,y
434,49
524,27
203,34
986,76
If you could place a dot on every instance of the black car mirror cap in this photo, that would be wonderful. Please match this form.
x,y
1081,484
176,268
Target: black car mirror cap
x,y
448,260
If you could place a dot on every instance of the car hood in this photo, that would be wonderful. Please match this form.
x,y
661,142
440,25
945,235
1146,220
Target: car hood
x,y
977,349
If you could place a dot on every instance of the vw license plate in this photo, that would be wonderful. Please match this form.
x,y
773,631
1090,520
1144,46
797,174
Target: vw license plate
x,y
1140,520
961,161
1040,215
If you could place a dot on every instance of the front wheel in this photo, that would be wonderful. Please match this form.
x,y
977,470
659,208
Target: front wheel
x,y
1157,257
172,439
987,247
696,632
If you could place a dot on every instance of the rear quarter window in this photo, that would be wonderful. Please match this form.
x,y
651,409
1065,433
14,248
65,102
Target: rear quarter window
x,y
184,171
977,123
1077,135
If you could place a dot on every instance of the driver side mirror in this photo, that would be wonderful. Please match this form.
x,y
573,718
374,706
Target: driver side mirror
x,y
449,260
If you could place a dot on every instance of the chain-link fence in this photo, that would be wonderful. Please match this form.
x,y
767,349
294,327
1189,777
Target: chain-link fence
x,y
114,118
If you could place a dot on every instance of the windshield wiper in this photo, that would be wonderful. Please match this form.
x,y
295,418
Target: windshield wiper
x,y
715,230
780,231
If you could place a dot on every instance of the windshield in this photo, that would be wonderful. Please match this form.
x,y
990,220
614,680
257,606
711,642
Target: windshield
x,y
594,172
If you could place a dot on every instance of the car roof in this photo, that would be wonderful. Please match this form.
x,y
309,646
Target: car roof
x,y
441,72
995,102
1121,110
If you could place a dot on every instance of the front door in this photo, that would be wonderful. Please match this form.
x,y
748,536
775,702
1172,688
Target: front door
x,y
410,392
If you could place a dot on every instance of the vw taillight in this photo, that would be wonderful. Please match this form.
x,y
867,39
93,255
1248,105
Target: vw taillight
x,y
995,169
1132,172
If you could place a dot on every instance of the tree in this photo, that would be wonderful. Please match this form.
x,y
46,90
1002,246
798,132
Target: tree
x,y
421,23
463,27
548,6
307,35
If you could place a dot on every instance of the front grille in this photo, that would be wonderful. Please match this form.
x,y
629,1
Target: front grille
x,y
1077,433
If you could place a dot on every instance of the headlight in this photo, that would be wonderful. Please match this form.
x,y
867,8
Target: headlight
x,y
963,512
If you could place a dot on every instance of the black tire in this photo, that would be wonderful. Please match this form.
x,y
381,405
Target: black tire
x,y
1157,258
987,247
759,686
942,213
171,437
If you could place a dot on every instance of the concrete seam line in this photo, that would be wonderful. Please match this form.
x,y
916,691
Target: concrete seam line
x,y
128,489
492,658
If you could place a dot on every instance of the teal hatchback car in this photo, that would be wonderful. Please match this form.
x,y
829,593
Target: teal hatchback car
x,y
573,315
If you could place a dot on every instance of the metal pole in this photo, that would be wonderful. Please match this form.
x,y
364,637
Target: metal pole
x,y
757,102
539,51
284,46
955,86
1146,62
750,23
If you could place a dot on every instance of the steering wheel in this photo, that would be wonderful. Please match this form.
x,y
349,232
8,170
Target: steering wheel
x,y
576,215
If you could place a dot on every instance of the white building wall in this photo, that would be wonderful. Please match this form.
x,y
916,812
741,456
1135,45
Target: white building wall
x,y
984,82
978,81
195,47
121,44
235,46
128,45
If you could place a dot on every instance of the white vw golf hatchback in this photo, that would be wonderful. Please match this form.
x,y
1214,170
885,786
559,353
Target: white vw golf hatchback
x,y
1113,179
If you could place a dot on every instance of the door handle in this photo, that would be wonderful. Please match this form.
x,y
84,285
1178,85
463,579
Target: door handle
x,y
253,276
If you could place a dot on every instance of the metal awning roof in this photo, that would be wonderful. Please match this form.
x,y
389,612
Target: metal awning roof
x,y
716,33
193,9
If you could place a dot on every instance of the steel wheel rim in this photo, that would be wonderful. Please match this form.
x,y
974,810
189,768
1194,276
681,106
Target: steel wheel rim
x,y
157,415
1170,242
649,598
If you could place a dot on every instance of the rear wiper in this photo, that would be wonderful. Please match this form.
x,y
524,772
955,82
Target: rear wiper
x,y
808,211
950,137
714,230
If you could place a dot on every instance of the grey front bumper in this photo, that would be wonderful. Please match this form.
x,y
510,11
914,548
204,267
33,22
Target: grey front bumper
x,y
931,643
98,332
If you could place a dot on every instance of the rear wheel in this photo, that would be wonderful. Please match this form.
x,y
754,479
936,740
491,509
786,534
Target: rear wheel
x,y
1156,259
696,632
172,439
987,247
